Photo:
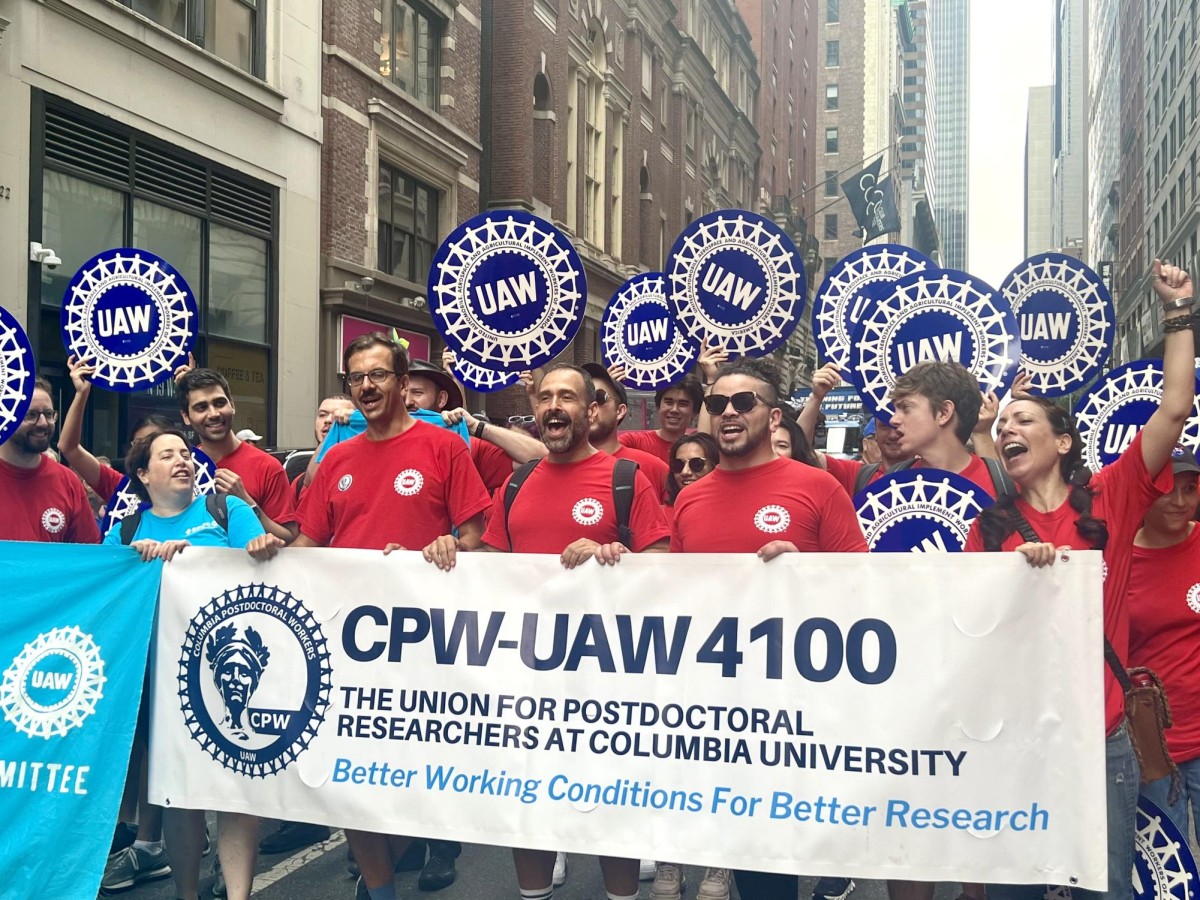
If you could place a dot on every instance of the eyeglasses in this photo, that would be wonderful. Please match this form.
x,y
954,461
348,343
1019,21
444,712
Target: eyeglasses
x,y
743,402
520,420
34,414
602,396
697,464
377,376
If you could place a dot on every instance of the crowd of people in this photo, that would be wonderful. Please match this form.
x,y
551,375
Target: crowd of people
x,y
515,487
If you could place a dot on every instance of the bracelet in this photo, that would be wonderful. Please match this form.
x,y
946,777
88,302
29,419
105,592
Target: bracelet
x,y
478,431
1177,323
1177,303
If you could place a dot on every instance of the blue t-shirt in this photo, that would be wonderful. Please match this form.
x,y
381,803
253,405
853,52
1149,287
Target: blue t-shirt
x,y
196,526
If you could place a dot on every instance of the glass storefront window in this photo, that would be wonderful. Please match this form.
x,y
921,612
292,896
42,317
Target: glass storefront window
x,y
173,235
247,369
237,285
79,220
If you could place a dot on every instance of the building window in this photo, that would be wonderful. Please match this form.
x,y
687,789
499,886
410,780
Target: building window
x,y
831,226
831,96
230,29
409,39
831,140
833,53
408,224
831,183
647,71
833,11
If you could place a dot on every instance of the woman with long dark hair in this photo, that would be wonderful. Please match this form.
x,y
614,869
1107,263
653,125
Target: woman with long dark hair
x,y
1063,506
692,457
788,440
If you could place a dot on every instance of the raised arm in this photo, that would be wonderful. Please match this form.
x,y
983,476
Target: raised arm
x,y
81,460
518,444
708,363
824,380
1173,287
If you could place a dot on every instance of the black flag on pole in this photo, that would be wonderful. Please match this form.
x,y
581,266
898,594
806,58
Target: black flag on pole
x,y
882,216
872,201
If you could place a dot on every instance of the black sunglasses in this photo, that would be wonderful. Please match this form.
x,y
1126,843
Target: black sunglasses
x,y
696,464
743,402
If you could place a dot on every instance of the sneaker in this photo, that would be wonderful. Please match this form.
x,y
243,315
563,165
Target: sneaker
x,y
439,870
293,836
715,885
132,866
669,882
832,889
560,869
123,836
647,870
218,888
360,890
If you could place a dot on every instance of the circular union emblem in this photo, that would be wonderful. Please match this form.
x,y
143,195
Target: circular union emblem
x,y
638,331
840,301
53,684
587,511
919,510
1193,598
1114,409
409,483
124,502
133,314
477,378
1066,318
772,519
938,314
254,679
54,520
1163,865
507,291
344,482
735,277
16,374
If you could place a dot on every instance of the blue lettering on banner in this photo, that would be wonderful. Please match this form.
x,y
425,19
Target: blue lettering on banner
x,y
902,814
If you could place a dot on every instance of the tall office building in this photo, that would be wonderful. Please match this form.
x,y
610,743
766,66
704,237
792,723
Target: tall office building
x,y
1131,268
1070,127
1104,121
949,30
916,169
1039,167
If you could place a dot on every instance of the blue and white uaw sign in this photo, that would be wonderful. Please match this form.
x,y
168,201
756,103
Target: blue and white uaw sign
x,y
477,378
1163,865
1118,406
507,290
633,706
124,502
16,374
919,510
1065,313
131,313
74,632
638,331
937,314
735,277
840,301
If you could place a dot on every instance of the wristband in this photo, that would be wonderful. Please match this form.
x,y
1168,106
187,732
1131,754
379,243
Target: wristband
x,y
1176,323
478,430
1177,303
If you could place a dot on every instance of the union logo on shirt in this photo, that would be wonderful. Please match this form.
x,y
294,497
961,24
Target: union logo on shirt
x,y
344,482
409,483
587,511
772,519
1193,598
54,520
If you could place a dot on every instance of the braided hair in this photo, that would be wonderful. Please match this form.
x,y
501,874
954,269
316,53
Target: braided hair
x,y
997,522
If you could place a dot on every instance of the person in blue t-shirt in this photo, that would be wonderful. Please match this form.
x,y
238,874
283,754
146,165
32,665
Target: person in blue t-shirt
x,y
161,471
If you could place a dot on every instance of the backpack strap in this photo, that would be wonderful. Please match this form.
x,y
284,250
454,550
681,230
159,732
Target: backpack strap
x,y
1001,481
865,473
515,481
624,474
902,465
218,507
129,526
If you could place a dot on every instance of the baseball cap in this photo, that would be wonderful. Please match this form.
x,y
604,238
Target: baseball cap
x,y
1183,460
426,369
247,434
869,428
598,371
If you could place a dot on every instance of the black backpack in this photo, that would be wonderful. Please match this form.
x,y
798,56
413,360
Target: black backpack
x,y
1000,481
216,504
624,473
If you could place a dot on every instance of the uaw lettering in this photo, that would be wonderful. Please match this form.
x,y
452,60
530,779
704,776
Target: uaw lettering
x,y
652,331
508,293
638,331
1045,326
461,705
738,291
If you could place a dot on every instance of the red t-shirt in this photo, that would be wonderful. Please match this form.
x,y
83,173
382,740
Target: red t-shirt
x,y
265,481
740,510
106,484
648,442
1124,491
46,503
846,472
1164,632
562,502
409,489
655,470
976,471
493,464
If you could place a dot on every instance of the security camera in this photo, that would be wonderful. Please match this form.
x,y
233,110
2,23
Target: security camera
x,y
366,283
43,255
418,302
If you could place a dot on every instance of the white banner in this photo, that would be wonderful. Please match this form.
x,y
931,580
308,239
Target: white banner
x,y
918,716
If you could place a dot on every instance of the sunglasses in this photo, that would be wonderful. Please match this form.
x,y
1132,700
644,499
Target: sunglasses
x,y
520,420
743,402
601,396
697,464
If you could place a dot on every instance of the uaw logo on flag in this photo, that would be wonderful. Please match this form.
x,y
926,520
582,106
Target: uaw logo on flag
x,y
919,510
74,638
16,374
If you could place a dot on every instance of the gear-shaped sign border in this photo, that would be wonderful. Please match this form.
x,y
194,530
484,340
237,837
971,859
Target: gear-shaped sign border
x,y
912,495
646,289
165,288
768,249
833,319
87,690
464,326
980,308
257,599
1091,306
17,374
485,381
125,503
1163,865
1140,380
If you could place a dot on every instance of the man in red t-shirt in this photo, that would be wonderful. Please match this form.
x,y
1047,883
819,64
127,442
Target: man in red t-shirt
x,y
677,406
612,405
42,500
243,471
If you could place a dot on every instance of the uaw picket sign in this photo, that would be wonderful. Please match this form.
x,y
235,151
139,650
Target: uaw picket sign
x,y
638,331
735,277
632,706
507,290
477,378
1065,314
840,301
1163,865
16,374
131,313
919,511
937,314
1116,408
124,502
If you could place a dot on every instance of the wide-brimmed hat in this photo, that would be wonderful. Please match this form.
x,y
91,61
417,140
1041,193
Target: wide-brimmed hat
x,y
443,381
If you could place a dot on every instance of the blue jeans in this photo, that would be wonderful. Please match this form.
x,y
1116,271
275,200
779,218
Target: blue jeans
x,y
1157,791
1121,777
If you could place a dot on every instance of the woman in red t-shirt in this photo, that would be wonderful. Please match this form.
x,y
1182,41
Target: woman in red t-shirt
x,y
1069,508
692,457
